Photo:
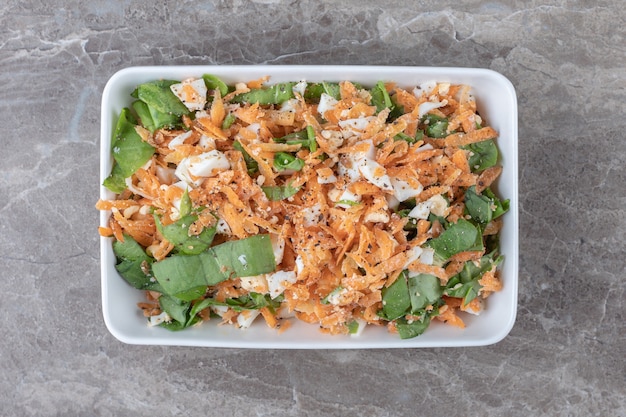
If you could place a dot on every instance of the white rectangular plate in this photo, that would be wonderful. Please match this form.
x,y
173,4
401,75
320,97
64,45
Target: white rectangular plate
x,y
497,104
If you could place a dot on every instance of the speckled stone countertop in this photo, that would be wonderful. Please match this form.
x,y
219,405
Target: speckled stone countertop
x,y
565,355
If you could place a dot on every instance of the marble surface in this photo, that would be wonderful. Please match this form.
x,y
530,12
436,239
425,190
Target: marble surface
x,y
565,354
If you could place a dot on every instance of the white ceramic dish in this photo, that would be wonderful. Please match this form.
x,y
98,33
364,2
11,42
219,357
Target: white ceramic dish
x,y
497,103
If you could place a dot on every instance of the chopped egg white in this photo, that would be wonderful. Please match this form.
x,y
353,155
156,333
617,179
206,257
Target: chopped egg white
x,y
347,168
474,308
299,264
219,310
413,255
426,107
223,228
375,174
392,202
355,127
326,103
438,205
425,88
278,281
206,164
256,283
246,318
311,214
179,140
161,318
192,93
402,190
427,257
206,143
435,204
344,198
330,179
289,105
421,210
300,87
278,246
194,168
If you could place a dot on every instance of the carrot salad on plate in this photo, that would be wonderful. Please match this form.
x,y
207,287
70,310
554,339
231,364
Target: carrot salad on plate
x,y
334,203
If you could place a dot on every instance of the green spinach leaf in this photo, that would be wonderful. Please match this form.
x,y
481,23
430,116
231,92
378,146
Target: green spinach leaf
x,y
424,290
160,98
177,233
381,98
435,126
213,82
410,329
484,155
396,299
133,264
184,276
277,193
314,91
276,94
284,161
458,237
130,152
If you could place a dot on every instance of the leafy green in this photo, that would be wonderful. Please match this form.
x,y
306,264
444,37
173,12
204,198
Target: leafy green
x,y
130,152
419,135
396,299
213,82
284,161
305,137
277,192
228,121
333,293
254,301
465,284
483,155
347,203
314,91
404,137
484,207
175,308
116,181
409,329
251,164
380,97
133,264
186,276
185,204
153,119
160,98
177,233
458,237
435,126
353,327
501,206
478,206
424,290
157,106
276,94
397,110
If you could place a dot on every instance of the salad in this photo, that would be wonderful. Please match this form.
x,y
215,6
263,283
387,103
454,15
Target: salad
x,y
334,203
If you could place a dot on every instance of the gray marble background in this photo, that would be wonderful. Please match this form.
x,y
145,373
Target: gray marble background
x,y
564,357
